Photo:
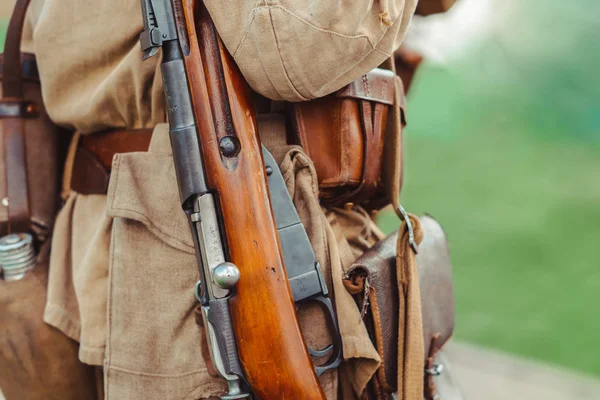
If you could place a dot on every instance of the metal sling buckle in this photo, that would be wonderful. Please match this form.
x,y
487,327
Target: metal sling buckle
x,y
411,232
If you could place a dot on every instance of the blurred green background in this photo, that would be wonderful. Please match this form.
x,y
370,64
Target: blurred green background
x,y
503,148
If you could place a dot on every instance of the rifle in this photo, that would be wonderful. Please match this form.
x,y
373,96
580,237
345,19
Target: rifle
x,y
243,290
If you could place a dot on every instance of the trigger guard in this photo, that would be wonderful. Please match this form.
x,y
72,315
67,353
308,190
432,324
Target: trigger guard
x,y
320,353
334,350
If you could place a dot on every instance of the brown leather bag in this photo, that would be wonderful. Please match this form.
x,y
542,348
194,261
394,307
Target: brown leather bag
x,y
343,134
374,273
30,144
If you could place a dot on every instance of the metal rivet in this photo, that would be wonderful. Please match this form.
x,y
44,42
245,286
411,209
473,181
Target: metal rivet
x,y
269,170
229,146
5,201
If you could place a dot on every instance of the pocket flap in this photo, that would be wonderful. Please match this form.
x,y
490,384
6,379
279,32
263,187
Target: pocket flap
x,y
143,188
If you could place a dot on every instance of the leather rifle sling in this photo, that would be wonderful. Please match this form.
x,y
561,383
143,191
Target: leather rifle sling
x,y
13,126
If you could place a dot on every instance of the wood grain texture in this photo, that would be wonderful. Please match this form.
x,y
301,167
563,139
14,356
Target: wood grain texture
x,y
272,352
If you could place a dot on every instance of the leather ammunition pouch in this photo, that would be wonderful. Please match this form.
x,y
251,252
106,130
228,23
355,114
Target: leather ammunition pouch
x,y
374,275
30,144
344,135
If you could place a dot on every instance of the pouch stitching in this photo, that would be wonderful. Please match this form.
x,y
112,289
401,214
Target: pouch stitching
x,y
128,371
109,305
152,227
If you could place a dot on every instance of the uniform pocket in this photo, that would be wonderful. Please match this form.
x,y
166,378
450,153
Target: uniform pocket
x,y
153,344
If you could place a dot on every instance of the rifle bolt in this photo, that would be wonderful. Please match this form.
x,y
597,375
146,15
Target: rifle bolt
x,y
229,146
226,275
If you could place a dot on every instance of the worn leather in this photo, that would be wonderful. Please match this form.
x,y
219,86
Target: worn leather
x,y
377,268
29,70
12,82
30,160
38,361
90,171
105,145
377,86
435,278
343,134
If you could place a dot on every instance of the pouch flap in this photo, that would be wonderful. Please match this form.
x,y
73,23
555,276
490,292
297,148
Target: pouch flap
x,y
143,188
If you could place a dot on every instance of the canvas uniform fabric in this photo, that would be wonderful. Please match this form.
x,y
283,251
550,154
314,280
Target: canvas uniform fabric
x,y
122,267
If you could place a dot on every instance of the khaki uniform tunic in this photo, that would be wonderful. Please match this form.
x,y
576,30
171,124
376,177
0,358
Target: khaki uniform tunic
x,y
122,266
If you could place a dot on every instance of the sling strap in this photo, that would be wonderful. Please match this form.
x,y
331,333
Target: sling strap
x,y
13,109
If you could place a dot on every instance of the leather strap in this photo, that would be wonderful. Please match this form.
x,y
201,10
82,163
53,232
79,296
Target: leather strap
x,y
29,71
13,127
104,145
89,171
12,82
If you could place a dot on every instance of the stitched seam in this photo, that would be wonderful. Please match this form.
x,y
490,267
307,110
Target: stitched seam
x,y
146,221
326,31
379,334
90,348
128,371
387,55
109,301
268,76
246,34
281,58
116,162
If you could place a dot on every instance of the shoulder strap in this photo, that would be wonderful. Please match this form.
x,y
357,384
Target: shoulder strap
x,y
13,108
12,83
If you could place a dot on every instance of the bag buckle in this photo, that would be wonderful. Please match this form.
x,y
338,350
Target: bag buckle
x,y
409,227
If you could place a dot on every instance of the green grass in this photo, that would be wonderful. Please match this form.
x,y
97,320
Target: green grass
x,y
523,218
3,26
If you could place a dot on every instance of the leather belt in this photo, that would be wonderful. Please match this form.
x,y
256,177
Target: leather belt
x,y
90,170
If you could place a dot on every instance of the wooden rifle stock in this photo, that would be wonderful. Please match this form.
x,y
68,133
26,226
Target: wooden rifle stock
x,y
271,348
